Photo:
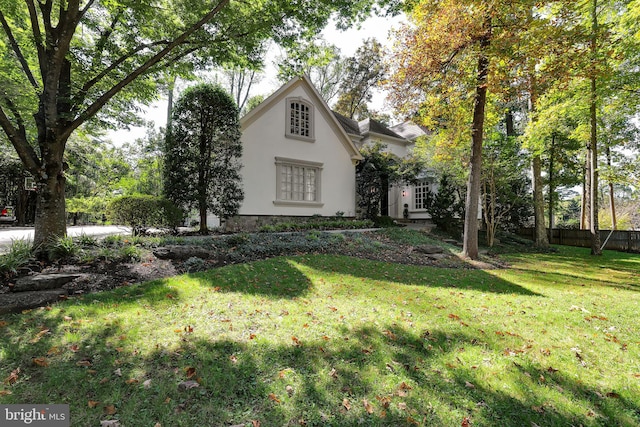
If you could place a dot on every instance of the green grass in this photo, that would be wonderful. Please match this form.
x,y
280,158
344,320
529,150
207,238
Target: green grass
x,y
335,341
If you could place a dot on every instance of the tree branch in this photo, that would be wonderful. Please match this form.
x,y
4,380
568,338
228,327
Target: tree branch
x,y
22,147
37,34
17,51
93,109
88,85
85,9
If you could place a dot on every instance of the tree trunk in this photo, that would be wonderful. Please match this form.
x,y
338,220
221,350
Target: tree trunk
x,y
50,218
586,192
541,240
551,184
612,201
593,113
470,238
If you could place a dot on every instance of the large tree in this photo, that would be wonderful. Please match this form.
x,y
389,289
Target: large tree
x,y
363,72
443,73
319,60
202,156
66,62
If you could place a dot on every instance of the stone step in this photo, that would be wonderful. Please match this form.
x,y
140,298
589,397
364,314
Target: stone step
x,y
18,301
42,282
429,249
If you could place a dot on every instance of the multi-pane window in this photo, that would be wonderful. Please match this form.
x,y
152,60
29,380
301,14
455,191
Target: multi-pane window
x,y
420,195
298,181
299,119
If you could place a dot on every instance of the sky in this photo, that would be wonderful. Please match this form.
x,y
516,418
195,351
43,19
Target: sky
x,y
348,42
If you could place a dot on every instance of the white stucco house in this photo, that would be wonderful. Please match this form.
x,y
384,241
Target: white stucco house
x,y
298,160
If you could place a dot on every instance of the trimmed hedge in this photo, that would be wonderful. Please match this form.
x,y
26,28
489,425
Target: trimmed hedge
x,y
143,211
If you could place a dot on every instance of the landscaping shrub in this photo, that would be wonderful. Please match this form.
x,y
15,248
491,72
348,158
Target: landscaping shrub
x,y
142,211
318,224
384,222
64,247
19,255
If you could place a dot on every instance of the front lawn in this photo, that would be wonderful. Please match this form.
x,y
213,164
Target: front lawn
x,y
332,340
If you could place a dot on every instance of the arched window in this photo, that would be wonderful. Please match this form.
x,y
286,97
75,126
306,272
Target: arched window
x,y
299,119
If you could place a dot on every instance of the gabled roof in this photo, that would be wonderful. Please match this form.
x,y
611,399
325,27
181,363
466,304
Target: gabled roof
x,y
410,130
349,125
374,126
322,109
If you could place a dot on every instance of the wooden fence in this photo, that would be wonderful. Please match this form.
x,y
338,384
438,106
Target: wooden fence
x,y
626,241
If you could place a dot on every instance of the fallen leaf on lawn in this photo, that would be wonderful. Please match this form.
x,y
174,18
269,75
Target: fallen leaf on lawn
x,y
104,380
146,384
411,420
132,381
346,404
333,373
252,336
390,335
39,335
385,401
3,324
188,329
86,363
466,422
40,361
13,377
296,341
367,406
93,403
333,309
109,409
469,385
405,386
233,358
157,425
5,392
402,406
454,316
283,373
255,423
191,372
289,390
118,372
273,398
53,351
613,395
187,385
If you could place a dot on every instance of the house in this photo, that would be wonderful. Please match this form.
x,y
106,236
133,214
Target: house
x,y
400,141
298,160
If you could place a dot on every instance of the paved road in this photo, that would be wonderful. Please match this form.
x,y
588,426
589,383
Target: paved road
x,y
9,234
